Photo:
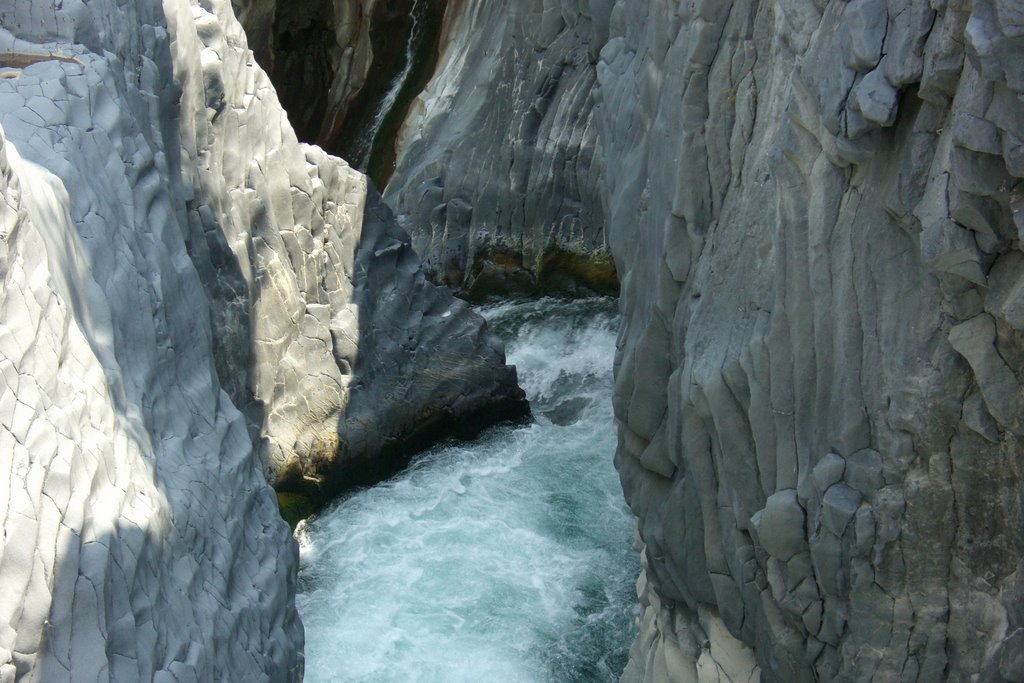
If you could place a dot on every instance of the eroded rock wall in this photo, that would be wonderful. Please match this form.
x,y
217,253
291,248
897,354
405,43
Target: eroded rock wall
x,y
318,52
816,210
499,176
140,540
169,252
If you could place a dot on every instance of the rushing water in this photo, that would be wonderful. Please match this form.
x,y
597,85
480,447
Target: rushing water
x,y
504,560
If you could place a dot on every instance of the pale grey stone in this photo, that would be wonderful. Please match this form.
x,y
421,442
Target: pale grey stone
x,y
170,254
866,289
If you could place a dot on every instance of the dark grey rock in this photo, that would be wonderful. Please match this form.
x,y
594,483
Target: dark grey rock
x,y
499,175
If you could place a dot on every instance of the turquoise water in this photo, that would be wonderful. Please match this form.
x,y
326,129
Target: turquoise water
x,y
507,559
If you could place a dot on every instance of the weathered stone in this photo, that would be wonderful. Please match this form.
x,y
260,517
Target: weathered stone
x,y
828,471
849,280
505,127
780,525
170,254
838,507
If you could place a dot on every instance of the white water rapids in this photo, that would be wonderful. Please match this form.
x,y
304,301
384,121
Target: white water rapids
x,y
503,560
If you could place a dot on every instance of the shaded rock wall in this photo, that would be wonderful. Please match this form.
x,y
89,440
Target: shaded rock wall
x,y
346,71
815,208
499,175
318,53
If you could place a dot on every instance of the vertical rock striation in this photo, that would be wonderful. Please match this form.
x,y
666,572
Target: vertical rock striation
x,y
318,52
499,175
346,71
168,252
140,541
816,210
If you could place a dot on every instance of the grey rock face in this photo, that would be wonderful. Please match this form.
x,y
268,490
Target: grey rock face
x,y
169,252
141,541
815,209
333,342
499,175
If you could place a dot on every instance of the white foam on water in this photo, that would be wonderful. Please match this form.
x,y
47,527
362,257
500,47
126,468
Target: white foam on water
x,y
508,559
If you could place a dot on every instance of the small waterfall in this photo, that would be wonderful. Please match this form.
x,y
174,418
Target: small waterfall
x,y
368,136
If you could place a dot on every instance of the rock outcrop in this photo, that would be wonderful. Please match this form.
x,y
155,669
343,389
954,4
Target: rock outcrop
x,y
499,176
326,333
816,209
169,252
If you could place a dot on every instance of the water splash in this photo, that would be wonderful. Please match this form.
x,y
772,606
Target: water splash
x,y
507,559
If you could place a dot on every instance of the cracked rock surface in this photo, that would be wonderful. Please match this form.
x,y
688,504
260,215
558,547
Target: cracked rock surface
x,y
816,209
140,540
192,303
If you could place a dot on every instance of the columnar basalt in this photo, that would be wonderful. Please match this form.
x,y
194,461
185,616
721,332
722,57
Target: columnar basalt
x,y
816,210
141,541
336,346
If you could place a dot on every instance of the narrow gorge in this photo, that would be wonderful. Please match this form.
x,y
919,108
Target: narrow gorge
x,y
262,264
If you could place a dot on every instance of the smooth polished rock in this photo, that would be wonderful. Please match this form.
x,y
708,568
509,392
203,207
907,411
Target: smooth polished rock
x,y
499,174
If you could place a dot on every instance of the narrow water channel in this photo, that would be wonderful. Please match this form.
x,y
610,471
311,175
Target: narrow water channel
x,y
505,560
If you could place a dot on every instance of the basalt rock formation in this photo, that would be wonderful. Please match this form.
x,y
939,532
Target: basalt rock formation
x,y
499,176
816,209
171,254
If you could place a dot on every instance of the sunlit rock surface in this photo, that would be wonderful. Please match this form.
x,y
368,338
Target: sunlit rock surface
x,y
169,252
816,210
140,539
499,175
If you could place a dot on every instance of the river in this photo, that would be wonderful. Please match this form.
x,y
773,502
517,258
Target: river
x,y
503,560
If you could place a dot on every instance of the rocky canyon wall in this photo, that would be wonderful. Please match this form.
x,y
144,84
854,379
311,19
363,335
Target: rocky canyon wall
x,y
170,254
140,539
816,211
499,175
346,70
326,332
